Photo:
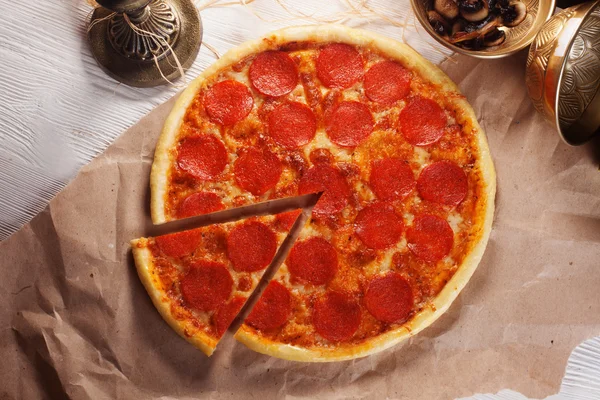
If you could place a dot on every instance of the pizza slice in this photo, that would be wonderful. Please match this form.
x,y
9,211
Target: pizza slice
x,y
200,279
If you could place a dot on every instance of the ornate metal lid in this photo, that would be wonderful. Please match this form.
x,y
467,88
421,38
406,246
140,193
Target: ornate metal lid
x,y
135,41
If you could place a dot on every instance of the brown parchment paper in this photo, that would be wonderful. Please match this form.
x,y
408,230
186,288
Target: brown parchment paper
x,y
77,323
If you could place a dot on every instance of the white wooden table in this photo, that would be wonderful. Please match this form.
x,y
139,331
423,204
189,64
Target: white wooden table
x,y
58,109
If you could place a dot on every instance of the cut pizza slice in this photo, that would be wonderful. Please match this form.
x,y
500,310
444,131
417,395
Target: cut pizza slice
x,y
200,279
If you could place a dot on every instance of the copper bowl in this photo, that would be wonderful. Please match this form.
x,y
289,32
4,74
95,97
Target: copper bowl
x,y
563,72
517,38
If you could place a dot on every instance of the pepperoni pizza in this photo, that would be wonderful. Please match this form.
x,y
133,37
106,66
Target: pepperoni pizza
x,y
200,279
404,169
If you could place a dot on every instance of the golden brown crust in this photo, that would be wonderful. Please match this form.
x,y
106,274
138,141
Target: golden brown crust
x,y
144,265
429,72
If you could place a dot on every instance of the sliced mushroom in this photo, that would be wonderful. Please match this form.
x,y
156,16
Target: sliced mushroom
x,y
473,44
439,24
467,44
484,26
462,37
473,24
478,43
470,5
474,10
458,26
514,14
474,30
494,38
446,8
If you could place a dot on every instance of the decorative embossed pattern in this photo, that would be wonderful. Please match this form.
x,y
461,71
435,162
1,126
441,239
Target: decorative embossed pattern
x,y
581,77
157,18
539,54
563,71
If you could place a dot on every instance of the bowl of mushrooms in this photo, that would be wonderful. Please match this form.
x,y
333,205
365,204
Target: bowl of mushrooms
x,y
483,28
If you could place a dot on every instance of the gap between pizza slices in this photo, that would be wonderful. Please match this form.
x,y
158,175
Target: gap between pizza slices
x,y
408,193
200,279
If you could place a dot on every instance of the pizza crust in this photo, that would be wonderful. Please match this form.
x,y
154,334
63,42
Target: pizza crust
x,y
393,50
145,265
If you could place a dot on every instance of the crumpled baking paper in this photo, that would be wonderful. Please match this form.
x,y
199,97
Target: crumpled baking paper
x,y
77,323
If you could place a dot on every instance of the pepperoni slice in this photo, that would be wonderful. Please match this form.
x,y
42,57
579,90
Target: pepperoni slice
x,y
251,246
292,125
443,182
285,221
313,261
272,309
323,177
387,82
422,122
349,124
336,316
203,156
273,73
228,102
378,226
339,65
391,179
430,238
198,204
257,170
206,286
179,244
389,298
226,314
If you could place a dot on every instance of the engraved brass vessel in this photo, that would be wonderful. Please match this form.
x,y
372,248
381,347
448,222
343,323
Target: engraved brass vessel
x,y
140,42
563,72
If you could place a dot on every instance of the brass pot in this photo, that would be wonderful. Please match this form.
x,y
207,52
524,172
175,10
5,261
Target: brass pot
x,y
563,72
517,38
